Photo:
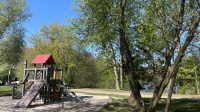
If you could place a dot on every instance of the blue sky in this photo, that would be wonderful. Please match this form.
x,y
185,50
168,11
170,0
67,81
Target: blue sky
x,y
48,11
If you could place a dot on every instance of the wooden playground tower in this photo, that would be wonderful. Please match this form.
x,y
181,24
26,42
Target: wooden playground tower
x,y
44,82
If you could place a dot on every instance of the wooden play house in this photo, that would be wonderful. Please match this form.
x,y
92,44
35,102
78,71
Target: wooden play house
x,y
44,82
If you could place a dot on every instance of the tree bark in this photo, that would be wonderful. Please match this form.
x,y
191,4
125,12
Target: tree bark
x,y
116,75
197,83
117,86
132,100
121,73
128,61
170,91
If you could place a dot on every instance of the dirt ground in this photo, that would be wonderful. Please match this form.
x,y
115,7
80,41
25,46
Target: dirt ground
x,y
88,104
127,93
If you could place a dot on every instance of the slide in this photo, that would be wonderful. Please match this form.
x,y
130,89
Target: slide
x,y
69,92
27,99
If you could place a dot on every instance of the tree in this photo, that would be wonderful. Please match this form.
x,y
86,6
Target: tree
x,y
80,67
188,76
12,15
164,28
11,47
103,28
183,30
107,24
13,12
56,39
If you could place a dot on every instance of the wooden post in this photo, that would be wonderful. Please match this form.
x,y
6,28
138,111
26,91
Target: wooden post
x,y
35,72
13,91
63,97
51,74
61,77
43,66
23,85
61,74
47,76
46,89
48,93
54,74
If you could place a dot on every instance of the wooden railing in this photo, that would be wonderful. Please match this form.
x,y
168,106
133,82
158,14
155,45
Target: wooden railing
x,y
31,74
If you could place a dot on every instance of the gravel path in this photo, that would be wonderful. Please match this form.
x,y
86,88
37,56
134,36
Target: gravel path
x,y
127,93
88,104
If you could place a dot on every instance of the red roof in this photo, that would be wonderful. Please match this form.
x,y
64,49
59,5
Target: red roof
x,y
43,58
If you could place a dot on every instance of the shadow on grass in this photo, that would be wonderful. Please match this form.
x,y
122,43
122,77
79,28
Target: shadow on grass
x,y
185,105
177,105
121,105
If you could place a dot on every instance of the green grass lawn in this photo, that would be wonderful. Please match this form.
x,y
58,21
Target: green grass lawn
x,y
5,90
177,105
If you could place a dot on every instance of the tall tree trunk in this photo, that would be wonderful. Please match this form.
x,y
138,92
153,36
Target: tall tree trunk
x,y
128,61
197,83
121,72
170,91
121,61
117,86
133,79
116,75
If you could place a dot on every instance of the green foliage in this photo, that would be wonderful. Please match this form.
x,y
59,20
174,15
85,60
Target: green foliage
x,y
188,75
106,74
99,22
153,35
81,68
100,25
4,69
27,55
12,14
57,40
11,47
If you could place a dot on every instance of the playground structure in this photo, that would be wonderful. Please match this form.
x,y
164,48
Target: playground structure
x,y
45,83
